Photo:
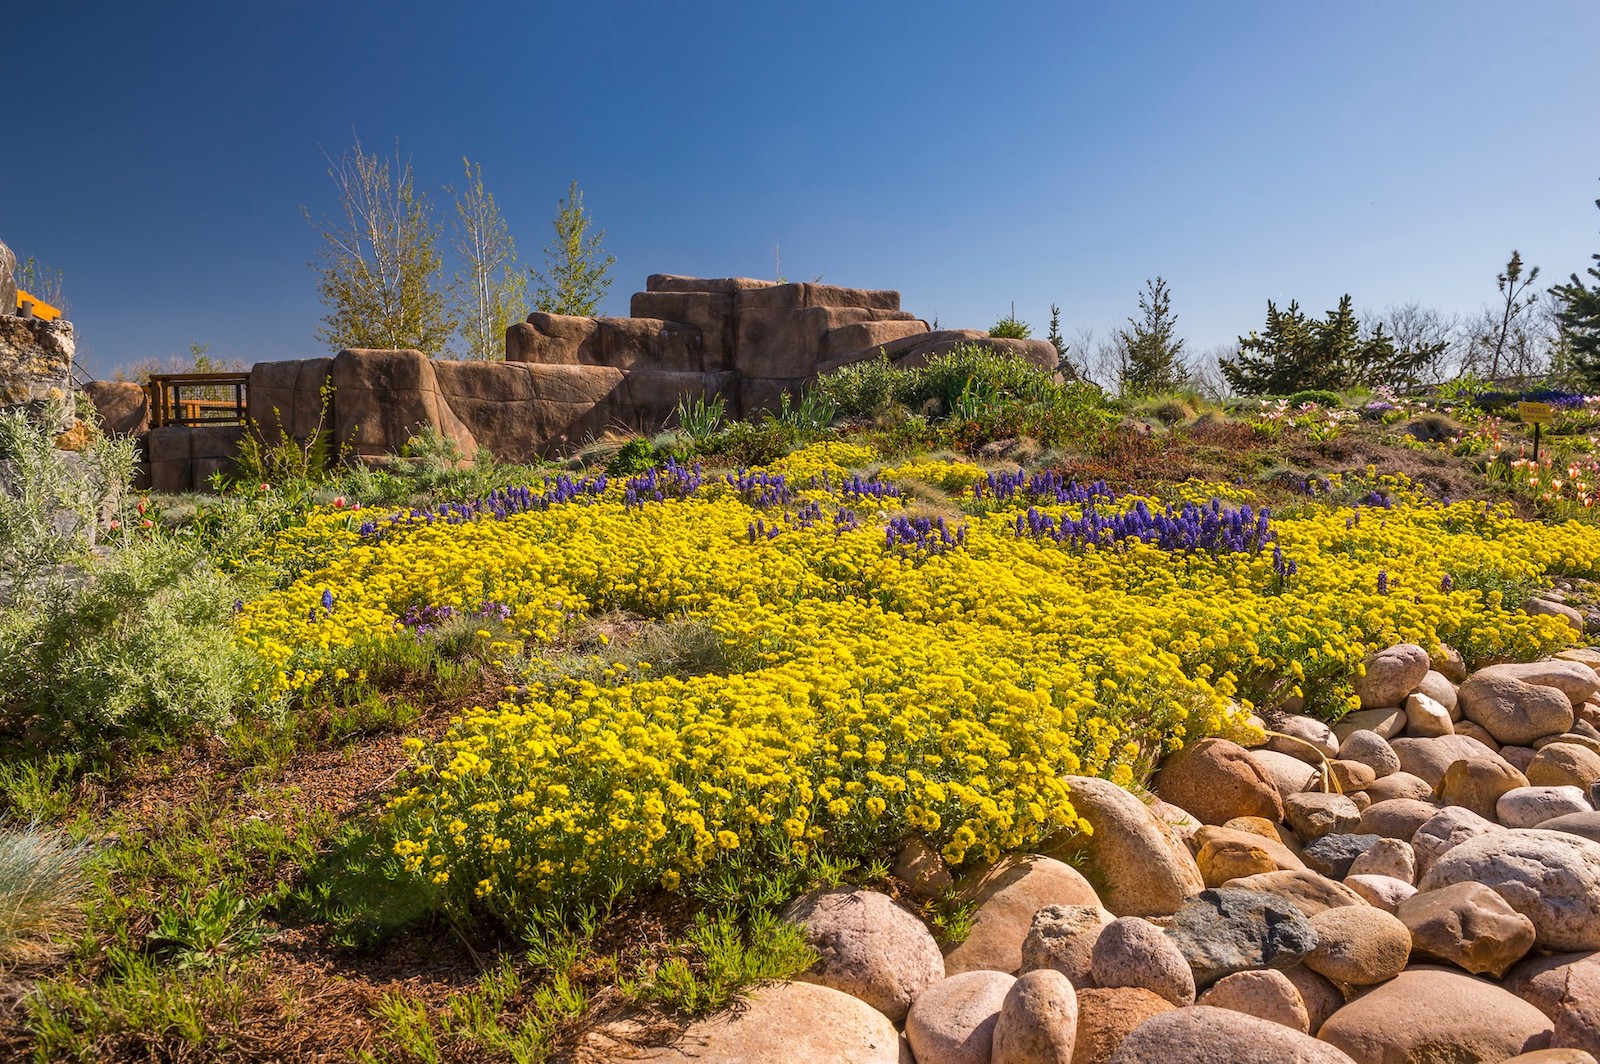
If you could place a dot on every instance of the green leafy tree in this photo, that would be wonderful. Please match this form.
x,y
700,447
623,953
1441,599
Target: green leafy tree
x,y
1154,353
380,271
1057,341
1298,353
1579,314
491,288
575,277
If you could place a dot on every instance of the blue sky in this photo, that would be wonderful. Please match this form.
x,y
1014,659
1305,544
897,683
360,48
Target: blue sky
x,y
971,157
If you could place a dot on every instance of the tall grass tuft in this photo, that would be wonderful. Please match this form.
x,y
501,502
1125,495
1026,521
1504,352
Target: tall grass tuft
x,y
41,879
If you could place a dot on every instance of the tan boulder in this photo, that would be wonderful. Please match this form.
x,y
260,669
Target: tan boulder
x,y
1131,951
1382,892
1512,710
1467,925
1038,1021
953,1021
1216,839
1429,758
1478,785
1564,765
1313,814
867,946
1062,938
1400,785
1574,679
1531,807
1447,661
1305,738
1435,1014
1351,777
1550,877
1217,780
1358,945
784,1022
1145,867
1386,857
1306,890
1478,732
1267,995
1372,750
1437,686
1387,723
1397,818
1007,894
1446,829
1542,980
1391,674
1106,1017
1426,717
1205,1035
1321,997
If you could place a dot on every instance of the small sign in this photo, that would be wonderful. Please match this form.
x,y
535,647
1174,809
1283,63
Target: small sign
x,y
1536,413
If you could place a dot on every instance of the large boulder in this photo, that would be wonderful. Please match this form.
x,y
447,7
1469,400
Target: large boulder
x,y
1306,738
1437,686
1477,785
1062,938
953,1021
1572,678
1429,758
1306,890
868,947
1550,877
384,398
1313,814
1289,774
1399,785
1387,857
1038,1021
1467,925
1267,995
1542,981
1006,894
1397,818
1358,945
1564,765
1334,855
1390,675
1446,829
1106,1017
1529,807
1434,1014
1132,951
1145,868
1216,780
1583,825
1513,710
1224,931
1372,750
1205,1035
784,1022
122,407
1382,892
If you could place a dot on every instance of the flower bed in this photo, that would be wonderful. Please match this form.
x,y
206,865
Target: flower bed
x,y
890,674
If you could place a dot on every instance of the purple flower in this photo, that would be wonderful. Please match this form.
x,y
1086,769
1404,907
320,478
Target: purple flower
x,y
1447,583
1383,581
327,600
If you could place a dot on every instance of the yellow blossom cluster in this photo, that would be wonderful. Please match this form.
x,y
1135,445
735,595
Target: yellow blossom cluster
x,y
871,691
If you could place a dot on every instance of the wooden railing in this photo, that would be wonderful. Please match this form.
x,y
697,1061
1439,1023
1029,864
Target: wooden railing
x,y
199,398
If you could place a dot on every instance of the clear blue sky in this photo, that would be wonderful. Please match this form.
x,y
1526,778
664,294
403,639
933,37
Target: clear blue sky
x,y
968,156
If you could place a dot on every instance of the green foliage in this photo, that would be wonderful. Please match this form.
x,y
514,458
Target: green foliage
x,y
1153,350
1316,397
142,644
41,879
728,951
491,288
811,416
635,456
1579,315
207,928
1011,328
53,503
751,443
576,275
1296,353
699,418
380,272
39,788
287,462
863,389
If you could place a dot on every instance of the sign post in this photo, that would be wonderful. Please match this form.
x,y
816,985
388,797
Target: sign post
x,y
1537,415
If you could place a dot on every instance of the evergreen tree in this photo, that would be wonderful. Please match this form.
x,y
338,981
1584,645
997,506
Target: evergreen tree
x,y
491,288
575,276
1295,353
1579,315
379,274
1154,361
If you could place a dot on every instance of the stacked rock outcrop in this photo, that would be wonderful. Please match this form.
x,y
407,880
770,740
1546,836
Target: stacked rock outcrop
x,y
1444,907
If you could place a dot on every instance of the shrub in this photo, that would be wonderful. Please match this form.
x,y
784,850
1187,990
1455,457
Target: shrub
x,y
143,641
864,388
53,504
1316,397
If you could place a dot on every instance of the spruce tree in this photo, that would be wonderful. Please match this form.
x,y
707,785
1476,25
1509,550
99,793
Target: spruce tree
x,y
1154,351
1579,315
